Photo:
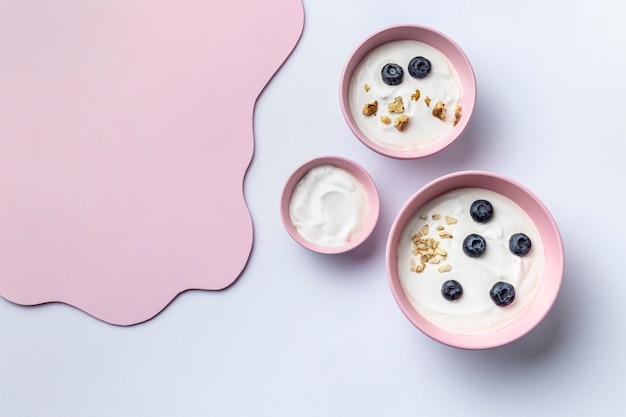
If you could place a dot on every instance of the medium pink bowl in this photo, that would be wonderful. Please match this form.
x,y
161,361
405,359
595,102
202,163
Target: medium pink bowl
x,y
434,38
550,236
361,176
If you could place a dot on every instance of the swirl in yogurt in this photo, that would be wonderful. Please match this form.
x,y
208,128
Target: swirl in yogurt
x,y
423,129
328,206
474,312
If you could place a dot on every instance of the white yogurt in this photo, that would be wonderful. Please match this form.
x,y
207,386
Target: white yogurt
x,y
328,206
474,312
441,85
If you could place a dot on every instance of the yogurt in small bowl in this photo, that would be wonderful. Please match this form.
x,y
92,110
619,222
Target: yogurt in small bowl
x,y
330,205
407,91
469,281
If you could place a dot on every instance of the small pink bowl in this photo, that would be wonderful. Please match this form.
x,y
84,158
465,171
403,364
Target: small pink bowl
x,y
548,231
434,38
361,176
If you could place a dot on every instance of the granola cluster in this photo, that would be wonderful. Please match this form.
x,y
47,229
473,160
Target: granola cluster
x,y
426,249
397,106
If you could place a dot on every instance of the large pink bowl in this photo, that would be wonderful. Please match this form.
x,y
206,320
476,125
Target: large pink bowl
x,y
434,38
548,231
361,175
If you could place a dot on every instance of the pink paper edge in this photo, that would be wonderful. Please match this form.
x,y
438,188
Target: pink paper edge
x,y
142,318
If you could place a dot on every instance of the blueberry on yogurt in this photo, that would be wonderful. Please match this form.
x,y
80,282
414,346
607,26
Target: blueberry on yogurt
x,y
481,211
474,245
451,290
502,294
419,67
520,244
392,74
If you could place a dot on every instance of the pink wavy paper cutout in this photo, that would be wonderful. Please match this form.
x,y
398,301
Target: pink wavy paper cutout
x,y
125,135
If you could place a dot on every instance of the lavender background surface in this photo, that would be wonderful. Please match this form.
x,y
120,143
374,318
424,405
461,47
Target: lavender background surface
x,y
303,334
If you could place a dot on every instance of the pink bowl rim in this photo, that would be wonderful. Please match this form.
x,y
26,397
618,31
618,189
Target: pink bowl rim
x,y
428,35
362,176
548,230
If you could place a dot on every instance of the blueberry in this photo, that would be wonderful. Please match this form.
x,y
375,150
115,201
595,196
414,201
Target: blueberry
x,y
502,293
481,211
520,244
451,290
392,74
474,245
419,67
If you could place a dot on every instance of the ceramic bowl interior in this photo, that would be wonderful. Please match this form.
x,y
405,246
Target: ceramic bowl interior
x,y
549,234
361,176
434,38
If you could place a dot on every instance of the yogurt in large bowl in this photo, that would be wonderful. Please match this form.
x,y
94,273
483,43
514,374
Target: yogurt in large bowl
x,y
475,260
330,205
407,91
